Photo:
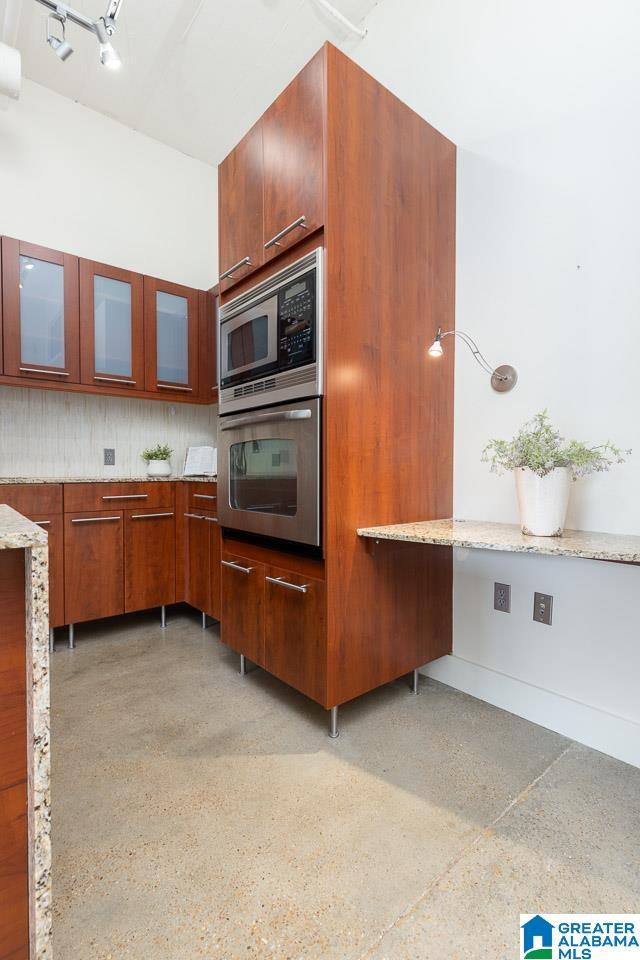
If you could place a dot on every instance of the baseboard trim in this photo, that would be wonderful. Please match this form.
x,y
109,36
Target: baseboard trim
x,y
614,735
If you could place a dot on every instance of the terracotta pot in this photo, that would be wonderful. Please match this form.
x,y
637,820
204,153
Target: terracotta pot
x,y
543,501
158,468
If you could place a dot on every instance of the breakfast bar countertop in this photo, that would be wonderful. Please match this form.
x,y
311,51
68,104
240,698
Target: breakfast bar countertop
x,y
483,535
18,533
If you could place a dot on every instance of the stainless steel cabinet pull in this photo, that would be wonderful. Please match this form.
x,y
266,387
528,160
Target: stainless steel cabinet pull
x,y
194,516
203,496
126,496
264,418
275,241
58,373
228,274
237,566
127,383
42,523
94,519
147,516
212,519
173,386
290,586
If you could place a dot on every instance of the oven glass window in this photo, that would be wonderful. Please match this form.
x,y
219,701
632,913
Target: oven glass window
x,y
263,477
248,343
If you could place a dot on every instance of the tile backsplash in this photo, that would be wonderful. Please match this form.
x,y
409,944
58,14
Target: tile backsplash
x,y
44,433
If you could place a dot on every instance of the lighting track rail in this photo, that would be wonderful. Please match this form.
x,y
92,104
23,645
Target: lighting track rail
x,y
103,29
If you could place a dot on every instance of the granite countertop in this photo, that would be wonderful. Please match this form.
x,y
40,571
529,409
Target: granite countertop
x,y
200,479
16,532
586,544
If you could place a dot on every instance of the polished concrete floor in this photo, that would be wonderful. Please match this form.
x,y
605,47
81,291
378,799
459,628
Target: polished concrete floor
x,y
201,814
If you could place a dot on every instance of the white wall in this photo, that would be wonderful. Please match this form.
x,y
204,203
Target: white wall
x,y
543,102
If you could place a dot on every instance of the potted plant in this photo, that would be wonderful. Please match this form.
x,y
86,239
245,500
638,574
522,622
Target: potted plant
x,y
157,459
544,464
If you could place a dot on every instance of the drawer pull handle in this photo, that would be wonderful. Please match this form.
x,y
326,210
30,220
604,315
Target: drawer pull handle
x,y
127,383
237,566
173,386
290,586
126,496
194,516
228,274
58,373
147,516
203,496
42,523
212,519
275,241
94,519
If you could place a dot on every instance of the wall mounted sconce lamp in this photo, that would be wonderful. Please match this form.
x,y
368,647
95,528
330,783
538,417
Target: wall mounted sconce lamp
x,y
503,378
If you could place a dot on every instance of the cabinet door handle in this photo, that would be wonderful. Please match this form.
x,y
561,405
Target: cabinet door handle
x,y
237,566
127,383
228,274
43,523
203,496
94,519
275,241
58,373
126,496
194,516
290,586
147,516
212,519
173,386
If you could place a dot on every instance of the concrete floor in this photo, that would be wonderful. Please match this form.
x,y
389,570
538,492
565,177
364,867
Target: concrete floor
x,y
200,814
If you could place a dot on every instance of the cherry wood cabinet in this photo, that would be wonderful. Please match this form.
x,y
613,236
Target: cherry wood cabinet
x,y
202,561
149,559
121,495
295,639
240,227
93,565
242,606
293,147
111,326
207,346
171,338
41,318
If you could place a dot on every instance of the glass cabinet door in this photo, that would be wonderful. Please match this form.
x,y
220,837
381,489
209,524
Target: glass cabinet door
x,y
111,320
41,318
171,337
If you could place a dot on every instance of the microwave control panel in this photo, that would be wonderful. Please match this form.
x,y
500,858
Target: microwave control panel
x,y
296,321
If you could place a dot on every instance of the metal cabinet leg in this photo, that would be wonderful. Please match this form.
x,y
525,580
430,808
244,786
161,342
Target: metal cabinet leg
x,y
204,620
415,680
333,723
243,665
51,640
72,641
163,616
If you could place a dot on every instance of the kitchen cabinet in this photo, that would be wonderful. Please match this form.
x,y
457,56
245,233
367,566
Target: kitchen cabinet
x,y
41,320
202,561
240,227
93,565
295,640
149,558
207,346
119,495
242,606
111,326
171,338
293,148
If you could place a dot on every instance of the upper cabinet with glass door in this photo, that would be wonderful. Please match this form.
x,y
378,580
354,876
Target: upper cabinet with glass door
x,y
171,337
112,326
40,313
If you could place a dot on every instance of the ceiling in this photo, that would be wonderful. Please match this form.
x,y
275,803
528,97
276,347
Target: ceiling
x,y
195,76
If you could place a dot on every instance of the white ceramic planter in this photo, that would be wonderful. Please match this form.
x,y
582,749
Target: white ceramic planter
x,y
543,501
158,468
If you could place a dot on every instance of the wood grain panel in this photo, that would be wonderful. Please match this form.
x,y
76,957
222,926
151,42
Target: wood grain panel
x,y
207,340
240,225
201,495
181,540
390,240
149,559
242,608
14,864
197,560
30,499
169,390
91,496
93,565
215,569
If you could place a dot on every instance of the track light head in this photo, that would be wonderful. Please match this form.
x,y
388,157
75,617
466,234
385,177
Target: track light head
x,y
60,45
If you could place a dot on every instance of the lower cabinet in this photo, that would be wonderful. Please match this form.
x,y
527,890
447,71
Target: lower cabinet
x,y
93,561
149,559
202,562
242,613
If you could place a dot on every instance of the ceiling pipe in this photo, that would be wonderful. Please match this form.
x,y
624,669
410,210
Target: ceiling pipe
x,y
341,19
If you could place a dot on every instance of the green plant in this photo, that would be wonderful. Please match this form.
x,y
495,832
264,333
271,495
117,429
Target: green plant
x,y
161,451
539,447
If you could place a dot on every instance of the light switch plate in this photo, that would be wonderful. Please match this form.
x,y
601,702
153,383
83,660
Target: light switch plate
x,y
542,608
109,456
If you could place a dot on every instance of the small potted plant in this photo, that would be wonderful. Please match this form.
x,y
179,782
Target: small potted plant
x,y
157,459
544,464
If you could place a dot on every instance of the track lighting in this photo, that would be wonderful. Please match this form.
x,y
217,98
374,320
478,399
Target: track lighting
x,y
103,29
503,378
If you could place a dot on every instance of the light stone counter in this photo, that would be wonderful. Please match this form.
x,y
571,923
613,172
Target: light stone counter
x,y
477,534
200,479
17,533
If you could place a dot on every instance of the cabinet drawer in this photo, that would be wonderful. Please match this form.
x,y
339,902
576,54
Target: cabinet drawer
x,y
202,496
30,499
119,496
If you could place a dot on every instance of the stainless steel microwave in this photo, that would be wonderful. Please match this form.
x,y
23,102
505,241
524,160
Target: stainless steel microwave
x,y
269,472
270,339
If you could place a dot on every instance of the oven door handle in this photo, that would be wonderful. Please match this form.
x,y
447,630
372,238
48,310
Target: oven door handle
x,y
265,418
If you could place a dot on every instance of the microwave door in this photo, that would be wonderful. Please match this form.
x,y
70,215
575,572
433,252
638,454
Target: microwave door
x,y
249,341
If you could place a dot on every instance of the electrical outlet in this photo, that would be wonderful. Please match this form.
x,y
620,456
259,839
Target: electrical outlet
x,y
109,457
542,608
502,597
